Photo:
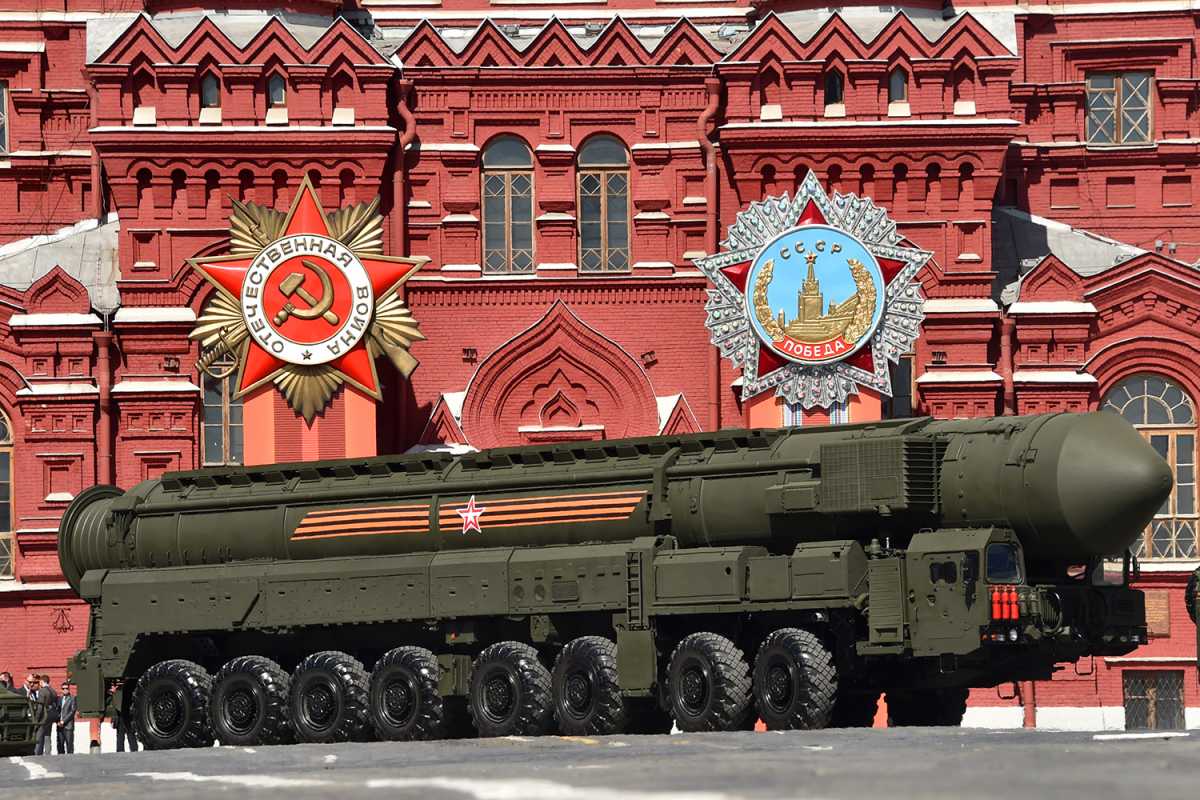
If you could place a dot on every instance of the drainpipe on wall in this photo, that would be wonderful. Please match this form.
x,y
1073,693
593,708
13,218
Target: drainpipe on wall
x,y
712,86
105,463
1005,367
399,183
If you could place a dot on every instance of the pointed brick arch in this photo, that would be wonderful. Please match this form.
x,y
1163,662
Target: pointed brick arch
x,y
57,292
1051,280
684,44
558,380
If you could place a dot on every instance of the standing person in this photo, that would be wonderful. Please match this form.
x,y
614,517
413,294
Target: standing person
x,y
123,722
28,688
42,717
66,720
51,712
6,681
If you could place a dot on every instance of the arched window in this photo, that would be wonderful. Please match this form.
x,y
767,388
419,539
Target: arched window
x,y
835,88
179,198
145,198
245,185
276,91
964,91
279,189
345,187
6,498
768,180
898,86
222,422
212,192
1166,416
210,91
603,205
507,206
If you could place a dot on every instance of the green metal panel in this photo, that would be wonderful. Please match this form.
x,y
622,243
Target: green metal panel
x,y
829,570
637,666
769,578
885,614
469,583
579,578
347,590
709,574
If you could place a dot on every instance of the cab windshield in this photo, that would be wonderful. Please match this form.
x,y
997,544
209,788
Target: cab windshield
x,y
1003,564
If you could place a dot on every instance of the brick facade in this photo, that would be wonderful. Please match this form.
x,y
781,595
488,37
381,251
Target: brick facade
x,y
1061,268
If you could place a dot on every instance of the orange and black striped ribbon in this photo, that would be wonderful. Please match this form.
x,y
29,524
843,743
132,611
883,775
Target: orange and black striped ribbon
x,y
499,512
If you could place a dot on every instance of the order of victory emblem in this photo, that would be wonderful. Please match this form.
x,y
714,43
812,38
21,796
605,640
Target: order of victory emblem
x,y
307,301
813,296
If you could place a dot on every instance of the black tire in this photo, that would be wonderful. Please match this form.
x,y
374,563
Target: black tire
x,y
927,707
854,710
249,704
328,699
795,681
510,692
170,706
708,684
404,698
587,695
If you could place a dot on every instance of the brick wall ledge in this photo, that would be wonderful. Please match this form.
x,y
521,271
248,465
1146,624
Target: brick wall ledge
x,y
20,586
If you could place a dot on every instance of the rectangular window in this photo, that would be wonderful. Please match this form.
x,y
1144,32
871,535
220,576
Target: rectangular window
x,y
3,117
6,515
1118,108
507,221
1153,699
221,424
900,404
604,221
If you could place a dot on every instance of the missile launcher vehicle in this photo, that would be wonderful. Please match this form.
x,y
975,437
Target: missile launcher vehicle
x,y
792,575
18,729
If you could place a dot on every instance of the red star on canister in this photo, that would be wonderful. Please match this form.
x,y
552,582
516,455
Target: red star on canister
x,y
470,514
283,310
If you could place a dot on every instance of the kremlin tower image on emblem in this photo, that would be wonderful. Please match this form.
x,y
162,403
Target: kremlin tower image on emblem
x,y
848,319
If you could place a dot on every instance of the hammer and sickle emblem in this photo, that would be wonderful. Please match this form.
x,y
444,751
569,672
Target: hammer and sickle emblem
x,y
317,306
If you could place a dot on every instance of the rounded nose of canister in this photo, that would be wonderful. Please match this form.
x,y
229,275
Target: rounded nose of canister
x,y
1111,482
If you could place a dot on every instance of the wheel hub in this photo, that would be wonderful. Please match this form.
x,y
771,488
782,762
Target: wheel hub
x,y
498,696
779,687
166,711
241,709
579,692
693,689
398,700
319,703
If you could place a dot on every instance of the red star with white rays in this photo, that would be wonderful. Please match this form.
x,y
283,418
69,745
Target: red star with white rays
x,y
769,360
470,514
306,216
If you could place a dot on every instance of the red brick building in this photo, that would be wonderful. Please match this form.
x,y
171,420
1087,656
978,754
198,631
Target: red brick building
x,y
561,164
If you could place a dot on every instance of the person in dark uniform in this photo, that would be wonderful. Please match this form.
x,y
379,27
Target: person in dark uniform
x,y
123,722
43,716
67,706
6,681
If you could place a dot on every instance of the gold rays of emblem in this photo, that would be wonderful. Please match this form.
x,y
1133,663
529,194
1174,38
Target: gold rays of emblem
x,y
221,328
849,319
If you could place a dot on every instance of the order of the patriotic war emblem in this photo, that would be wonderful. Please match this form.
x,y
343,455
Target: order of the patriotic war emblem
x,y
306,300
813,296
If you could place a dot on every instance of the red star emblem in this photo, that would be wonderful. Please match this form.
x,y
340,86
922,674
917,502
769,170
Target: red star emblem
x,y
470,514
295,306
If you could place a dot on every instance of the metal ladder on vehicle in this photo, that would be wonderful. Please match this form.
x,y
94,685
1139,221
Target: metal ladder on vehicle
x,y
633,576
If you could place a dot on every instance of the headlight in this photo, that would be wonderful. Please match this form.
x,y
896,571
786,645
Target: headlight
x,y
1012,634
